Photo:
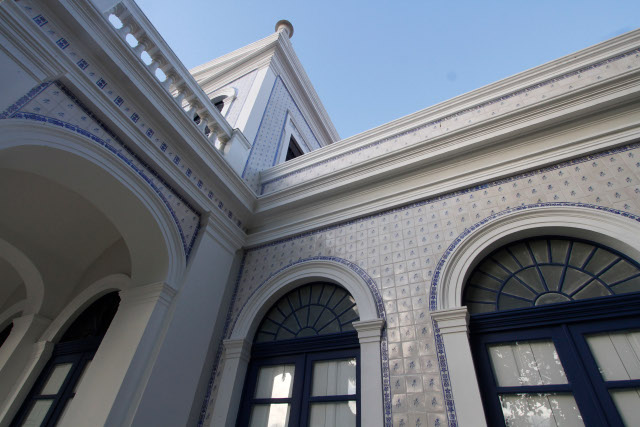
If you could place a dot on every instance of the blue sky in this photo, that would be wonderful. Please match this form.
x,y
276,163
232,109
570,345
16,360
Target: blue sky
x,y
375,61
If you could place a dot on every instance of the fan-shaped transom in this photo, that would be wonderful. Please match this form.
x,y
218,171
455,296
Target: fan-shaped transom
x,y
549,270
310,310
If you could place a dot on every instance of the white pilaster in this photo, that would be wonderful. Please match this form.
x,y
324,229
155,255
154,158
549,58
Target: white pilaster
x,y
121,363
454,328
369,333
236,360
173,396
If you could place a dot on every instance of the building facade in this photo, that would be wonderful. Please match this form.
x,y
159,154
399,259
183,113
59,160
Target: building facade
x,y
198,247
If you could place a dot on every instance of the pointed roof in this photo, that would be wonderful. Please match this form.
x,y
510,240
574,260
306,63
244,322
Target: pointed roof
x,y
276,52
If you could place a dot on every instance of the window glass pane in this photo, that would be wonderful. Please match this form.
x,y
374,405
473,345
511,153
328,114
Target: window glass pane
x,y
540,251
37,413
334,378
521,252
552,276
486,280
559,250
526,363
274,415
628,403
56,378
620,271
592,290
617,354
573,279
580,253
540,410
274,381
599,261
341,414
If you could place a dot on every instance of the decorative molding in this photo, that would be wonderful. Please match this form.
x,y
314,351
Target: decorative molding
x,y
375,293
448,112
87,66
171,199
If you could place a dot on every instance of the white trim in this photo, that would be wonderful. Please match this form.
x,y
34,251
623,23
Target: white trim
x,y
10,313
167,261
234,367
454,328
113,282
28,272
606,228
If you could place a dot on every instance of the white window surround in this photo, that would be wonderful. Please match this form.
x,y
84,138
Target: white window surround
x,y
237,348
290,129
606,228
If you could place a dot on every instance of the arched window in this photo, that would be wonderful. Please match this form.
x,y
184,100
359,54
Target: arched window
x,y
555,331
56,386
304,362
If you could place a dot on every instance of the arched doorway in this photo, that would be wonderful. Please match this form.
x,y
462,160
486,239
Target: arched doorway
x,y
555,335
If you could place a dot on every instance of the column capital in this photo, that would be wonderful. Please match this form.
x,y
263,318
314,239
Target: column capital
x,y
222,230
369,330
237,349
161,292
452,320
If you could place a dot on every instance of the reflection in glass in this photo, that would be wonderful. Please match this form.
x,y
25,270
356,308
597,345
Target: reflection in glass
x,y
273,415
617,354
275,382
628,403
37,413
540,410
341,414
56,378
526,363
334,377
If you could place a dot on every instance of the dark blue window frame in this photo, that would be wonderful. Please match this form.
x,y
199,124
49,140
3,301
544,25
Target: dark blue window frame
x,y
302,352
566,324
78,353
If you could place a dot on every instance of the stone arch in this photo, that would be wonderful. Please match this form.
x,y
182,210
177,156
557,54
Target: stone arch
x,y
609,227
31,277
148,227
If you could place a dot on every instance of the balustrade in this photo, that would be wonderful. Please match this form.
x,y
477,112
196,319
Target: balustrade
x,y
140,36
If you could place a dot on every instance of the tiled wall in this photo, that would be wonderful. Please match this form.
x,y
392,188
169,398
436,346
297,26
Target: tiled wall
x,y
267,142
400,249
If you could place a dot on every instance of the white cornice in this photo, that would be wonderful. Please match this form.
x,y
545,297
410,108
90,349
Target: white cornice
x,y
447,171
120,61
491,131
550,70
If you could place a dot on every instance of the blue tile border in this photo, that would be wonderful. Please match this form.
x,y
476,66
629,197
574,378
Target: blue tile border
x,y
14,113
435,282
444,377
229,326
